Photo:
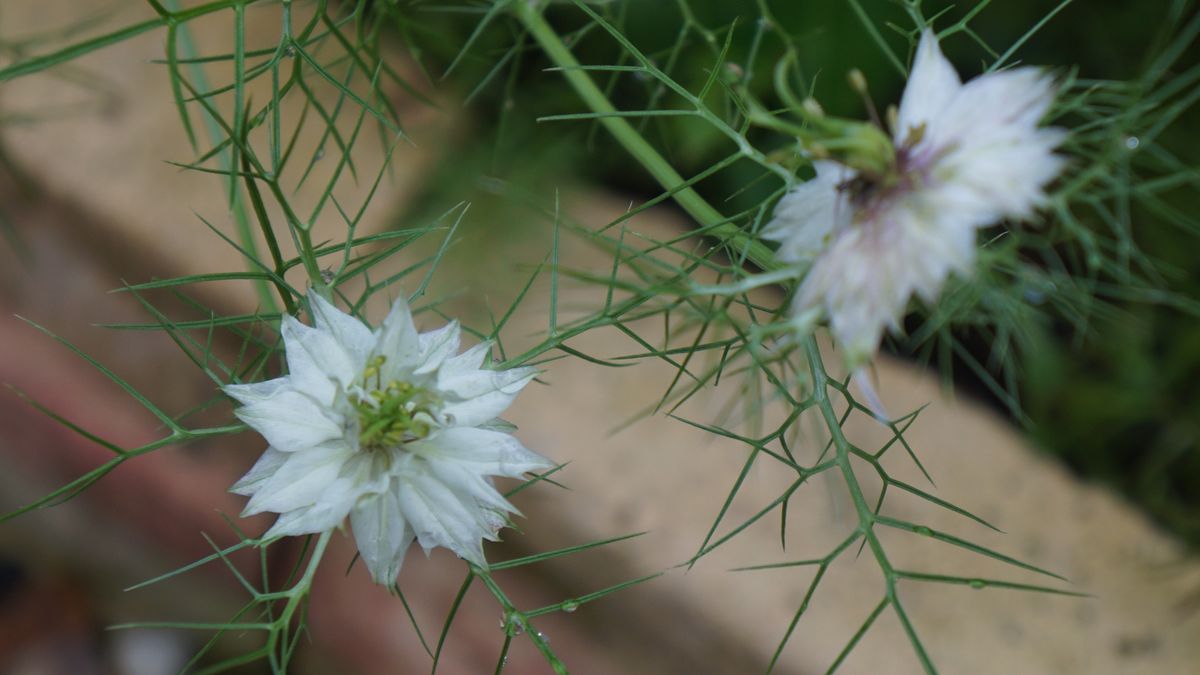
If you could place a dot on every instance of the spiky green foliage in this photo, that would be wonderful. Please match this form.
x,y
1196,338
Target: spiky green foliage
x,y
717,116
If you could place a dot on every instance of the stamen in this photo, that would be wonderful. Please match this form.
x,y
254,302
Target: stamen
x,y
858,82
395,414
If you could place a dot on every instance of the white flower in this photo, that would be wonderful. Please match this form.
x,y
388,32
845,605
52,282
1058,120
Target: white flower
x,y
389,427
966,156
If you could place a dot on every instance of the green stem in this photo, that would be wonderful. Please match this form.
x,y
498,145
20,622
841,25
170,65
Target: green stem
x,y
529,14
314,561
820,385
295,596
264,223
866,515
516,621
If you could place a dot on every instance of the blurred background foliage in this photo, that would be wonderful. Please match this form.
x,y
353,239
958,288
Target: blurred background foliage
x,y
1118,401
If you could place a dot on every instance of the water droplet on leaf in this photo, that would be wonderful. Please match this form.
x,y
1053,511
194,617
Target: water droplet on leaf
x,y
513,624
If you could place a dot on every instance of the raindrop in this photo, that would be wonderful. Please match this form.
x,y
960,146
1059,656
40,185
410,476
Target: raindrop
x,y
978,583
570,606
1132,142
923,531
319,154
513,624
543,637
289,52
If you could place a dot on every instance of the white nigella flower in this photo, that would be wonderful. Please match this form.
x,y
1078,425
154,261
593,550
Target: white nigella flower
x,y
388,426
965,157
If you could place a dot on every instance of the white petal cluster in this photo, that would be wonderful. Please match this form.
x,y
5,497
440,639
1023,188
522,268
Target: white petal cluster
x,y
966,156
390,427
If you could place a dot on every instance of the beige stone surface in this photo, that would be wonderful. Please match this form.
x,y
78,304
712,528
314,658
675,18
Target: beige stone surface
x,y
103,130
665,478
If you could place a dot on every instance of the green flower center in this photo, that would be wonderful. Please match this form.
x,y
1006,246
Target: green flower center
x,y
394,413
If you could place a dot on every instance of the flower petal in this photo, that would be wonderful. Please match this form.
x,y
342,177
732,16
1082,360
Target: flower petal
x,y
473,489
806,218
382,534
1007,104
397,340
441,517
317,363
996,158
291,421
263,469
309,520
304,479
353,335
932,85
371,471
436,346
489,453
466,363
482,395
866,278
255,391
